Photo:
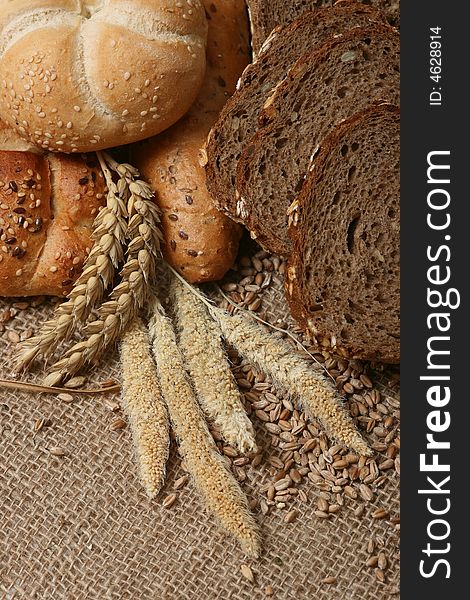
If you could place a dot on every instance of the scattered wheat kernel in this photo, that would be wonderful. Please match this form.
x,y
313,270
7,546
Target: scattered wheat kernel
x,y
169,501
118,424
57,451
247,573
65,397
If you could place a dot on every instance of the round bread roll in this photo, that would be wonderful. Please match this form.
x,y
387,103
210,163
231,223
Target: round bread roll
x,y
10,140
83,75
47,207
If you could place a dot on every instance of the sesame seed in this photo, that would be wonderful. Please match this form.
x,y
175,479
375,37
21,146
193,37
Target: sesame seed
x,y
127,75
77,108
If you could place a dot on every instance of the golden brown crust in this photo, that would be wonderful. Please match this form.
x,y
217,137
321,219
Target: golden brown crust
x,y
200,242
82,76
47,207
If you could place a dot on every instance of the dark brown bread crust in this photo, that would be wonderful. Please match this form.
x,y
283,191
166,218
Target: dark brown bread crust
x,y
265,15
343,277
239,119
345,75
47,207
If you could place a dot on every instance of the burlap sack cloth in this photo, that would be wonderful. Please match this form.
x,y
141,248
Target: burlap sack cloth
x,y
81,527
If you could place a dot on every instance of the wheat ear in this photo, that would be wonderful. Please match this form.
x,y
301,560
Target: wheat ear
x,y
221,493
143,404
200,339
292,373
137,275
107,253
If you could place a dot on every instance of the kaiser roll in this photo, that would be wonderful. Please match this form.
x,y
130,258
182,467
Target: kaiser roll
x,y
83,75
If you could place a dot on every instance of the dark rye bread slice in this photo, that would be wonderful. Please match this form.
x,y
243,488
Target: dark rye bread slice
x,y
343,76
265,15
343,276
239,119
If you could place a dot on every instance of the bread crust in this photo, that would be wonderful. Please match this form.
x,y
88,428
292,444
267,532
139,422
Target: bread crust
x,y
200,242
47,207
83,76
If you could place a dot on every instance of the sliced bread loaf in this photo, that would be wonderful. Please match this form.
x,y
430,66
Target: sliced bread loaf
x,y
265,15
343,76
343,277
239,119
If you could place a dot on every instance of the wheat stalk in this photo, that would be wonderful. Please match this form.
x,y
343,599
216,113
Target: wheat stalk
x,y
292,373
108,235
142,402
221,493
33,388
144,237
201,342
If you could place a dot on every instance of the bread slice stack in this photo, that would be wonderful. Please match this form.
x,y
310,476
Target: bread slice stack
x,y
238,121
344,75
327,74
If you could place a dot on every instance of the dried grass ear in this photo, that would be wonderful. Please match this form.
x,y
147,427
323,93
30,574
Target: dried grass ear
x,y
289,370
292,374
200,340
219,489
143,404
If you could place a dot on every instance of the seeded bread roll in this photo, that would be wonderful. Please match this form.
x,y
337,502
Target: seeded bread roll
x,y
265,15
47,207
343,276
9,140
238,121
200,242
343,76
82,75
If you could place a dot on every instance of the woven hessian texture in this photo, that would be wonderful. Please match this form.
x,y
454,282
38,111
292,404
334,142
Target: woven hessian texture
x,y
80,527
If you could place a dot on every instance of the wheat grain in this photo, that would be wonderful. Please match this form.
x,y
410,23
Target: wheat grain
x,y
220,491
216,388
132,292
107,253
292,373
144,407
